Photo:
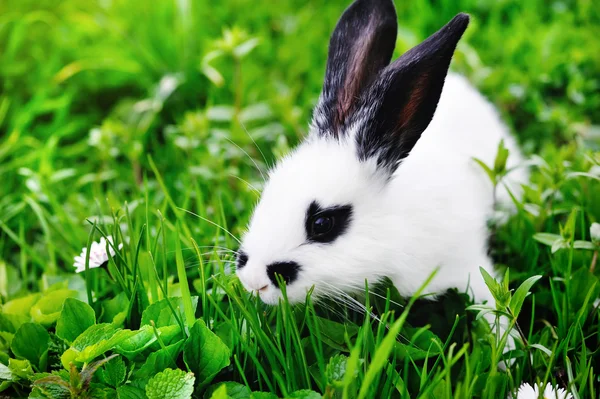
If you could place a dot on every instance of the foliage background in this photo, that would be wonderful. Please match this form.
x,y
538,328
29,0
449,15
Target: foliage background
x,y
175,104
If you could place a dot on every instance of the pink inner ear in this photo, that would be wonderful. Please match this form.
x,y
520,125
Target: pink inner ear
x,y
355,77
417,94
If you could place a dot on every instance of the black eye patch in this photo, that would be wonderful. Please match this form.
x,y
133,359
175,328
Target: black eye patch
x,y
324,225
242,259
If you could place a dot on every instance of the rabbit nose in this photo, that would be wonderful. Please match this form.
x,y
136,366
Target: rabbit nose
x,y
257,286
254,280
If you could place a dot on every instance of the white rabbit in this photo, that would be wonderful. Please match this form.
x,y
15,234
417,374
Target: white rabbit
x,y
382,187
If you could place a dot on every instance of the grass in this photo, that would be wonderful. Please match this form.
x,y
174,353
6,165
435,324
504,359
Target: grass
x,y
152,123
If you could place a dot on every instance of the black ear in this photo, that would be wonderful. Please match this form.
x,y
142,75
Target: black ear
x,y
401,102
360,47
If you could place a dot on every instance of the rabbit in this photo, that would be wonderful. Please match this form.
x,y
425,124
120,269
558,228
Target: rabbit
x,y
385,184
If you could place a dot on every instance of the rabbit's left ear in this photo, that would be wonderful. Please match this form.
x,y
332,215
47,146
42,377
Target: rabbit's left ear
x,y
361,45
399,105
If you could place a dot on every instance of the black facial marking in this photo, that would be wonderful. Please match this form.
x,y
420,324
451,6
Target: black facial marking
x,y
324,225
287,270
242,259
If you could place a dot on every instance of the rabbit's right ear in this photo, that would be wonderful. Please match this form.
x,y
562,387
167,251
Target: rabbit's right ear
x,y
360,47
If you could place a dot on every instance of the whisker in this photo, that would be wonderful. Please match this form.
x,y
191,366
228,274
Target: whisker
x,y
213,223
249,157
204,247
373,291
209,262
255,144
344,298
331,308
355,305
219,252
385,298
217,247
245,181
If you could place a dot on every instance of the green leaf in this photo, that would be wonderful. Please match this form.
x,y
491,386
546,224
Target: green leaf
x,y
263,395
115,309
219,393
169,335
74,319
487,170
516,302
31,342
220,113
231,390
334,334
501,157
422,344
568,230
245,48
158,361
136,342
212,74
580,244
4,385
16,312
20,306
47,310
558,245
204,353
20,368
547,238
114,372
304,394
52,387
492,285
5,373
94,341
336,368
10,323
88,371
172,384
130,392
162,315
542,348
98,391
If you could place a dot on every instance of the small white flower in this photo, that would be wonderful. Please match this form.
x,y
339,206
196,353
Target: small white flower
x,y
527,391
98,254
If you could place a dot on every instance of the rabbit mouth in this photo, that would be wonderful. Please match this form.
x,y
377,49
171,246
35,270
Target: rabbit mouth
x,y
269,296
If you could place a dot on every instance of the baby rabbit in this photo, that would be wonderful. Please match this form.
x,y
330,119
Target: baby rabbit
x,y
385,184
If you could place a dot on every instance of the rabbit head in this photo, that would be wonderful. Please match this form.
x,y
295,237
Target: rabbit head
x,y
320,221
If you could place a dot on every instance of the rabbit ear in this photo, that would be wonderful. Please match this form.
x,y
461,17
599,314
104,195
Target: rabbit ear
x,y
405,96
360,47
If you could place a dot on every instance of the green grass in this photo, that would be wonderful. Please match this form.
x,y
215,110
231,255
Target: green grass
x,y
92,144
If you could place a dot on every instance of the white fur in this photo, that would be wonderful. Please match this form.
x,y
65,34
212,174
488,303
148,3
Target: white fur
x,y
431,214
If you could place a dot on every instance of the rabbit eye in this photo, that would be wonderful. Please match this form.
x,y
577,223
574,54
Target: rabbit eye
x,y
324,225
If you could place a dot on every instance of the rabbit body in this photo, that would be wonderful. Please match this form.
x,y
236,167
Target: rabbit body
x,y
385,184
440,200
